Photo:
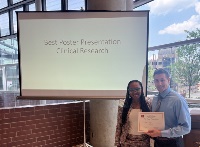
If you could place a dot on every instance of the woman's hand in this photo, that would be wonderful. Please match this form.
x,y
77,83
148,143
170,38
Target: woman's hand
x,y
154,133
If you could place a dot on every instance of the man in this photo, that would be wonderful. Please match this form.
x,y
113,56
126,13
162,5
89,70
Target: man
x,y
175,108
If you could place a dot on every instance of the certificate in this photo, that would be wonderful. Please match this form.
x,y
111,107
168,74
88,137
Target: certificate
x,y
150,120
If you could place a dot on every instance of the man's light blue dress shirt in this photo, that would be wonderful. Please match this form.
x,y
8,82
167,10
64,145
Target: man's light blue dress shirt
x,y
177,116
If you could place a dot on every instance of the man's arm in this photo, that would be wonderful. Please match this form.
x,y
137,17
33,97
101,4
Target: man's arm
x,y
183,119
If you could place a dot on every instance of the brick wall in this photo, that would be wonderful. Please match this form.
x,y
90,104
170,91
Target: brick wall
x,y
59,125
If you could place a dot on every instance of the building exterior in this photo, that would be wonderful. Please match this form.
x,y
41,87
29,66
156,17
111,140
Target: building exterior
x,y
164,59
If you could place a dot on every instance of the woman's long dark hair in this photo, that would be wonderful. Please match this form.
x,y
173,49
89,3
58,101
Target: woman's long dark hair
x,y
128,101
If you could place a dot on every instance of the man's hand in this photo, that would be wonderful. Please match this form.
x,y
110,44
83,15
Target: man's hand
x,y
154,133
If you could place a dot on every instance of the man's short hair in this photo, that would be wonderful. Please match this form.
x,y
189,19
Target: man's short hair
x,y
161,71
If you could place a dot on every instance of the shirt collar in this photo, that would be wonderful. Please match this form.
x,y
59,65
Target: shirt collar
x,y
165,92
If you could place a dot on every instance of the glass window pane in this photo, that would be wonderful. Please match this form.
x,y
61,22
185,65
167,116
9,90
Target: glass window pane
x,y
31,7
76,4
4,25
9,51
1,78
53,5
12,78
9,71
15,19
3,3
16,1
181,61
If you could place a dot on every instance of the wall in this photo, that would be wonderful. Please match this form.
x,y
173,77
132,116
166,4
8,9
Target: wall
x,y
8,99
193,138
43,126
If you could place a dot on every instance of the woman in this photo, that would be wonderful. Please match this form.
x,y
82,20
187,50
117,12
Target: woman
x,y
127,134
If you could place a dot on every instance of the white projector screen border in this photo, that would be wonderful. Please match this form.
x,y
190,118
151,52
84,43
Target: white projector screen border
x,y
102,52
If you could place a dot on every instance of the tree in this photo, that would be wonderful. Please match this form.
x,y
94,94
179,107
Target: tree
x,y
186,69
151,86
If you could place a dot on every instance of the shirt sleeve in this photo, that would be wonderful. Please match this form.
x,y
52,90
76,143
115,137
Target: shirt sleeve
x,y
183,121
118,126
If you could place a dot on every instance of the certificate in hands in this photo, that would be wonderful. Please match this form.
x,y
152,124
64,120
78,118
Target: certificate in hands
x,y
150,120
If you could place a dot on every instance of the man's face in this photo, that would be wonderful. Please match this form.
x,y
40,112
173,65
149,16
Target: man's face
x,y
161,82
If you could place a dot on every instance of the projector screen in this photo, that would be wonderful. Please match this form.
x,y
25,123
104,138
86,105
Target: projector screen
x,y
77,55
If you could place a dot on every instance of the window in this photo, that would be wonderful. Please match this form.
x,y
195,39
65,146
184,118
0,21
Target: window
x,y
166,36
4,24
76,4
15,19
52,5
16,1
1,78
3,3
31,7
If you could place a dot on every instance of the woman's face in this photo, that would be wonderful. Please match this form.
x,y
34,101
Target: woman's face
x,y
135,90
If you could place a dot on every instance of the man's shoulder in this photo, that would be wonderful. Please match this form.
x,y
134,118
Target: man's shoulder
x,y
175,94
177,97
